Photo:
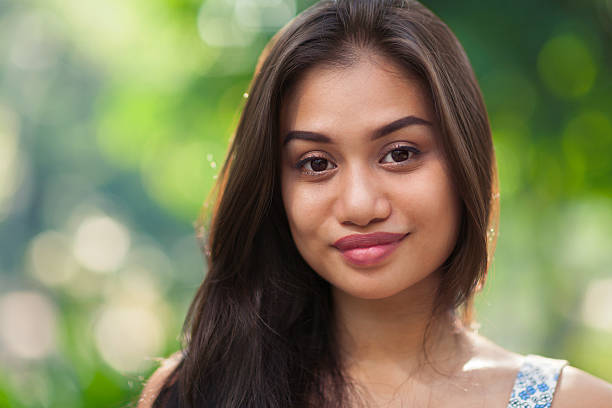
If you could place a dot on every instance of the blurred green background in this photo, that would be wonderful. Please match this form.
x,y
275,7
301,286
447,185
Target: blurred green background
x,y
114,120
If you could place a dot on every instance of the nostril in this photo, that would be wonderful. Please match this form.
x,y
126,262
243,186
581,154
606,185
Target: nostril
x,y
372,221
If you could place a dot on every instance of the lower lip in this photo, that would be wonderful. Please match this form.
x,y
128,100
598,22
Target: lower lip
x,y
370,255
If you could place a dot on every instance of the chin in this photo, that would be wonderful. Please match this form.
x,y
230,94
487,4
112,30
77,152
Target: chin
x,y
376,285
371,295
369,290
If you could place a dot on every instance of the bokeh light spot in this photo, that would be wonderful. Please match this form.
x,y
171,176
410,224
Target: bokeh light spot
x,y
27,324
587,238
51,258
9,152
566,66
218,27
101,243
598,304
127,335
236,23
264,14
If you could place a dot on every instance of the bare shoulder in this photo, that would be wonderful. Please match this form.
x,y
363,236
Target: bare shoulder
x,y
483,374
577,388
157,380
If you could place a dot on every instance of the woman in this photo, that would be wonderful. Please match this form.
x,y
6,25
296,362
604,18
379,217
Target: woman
x,y
355,221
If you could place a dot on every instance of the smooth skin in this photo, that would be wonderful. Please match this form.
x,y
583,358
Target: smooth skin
x,y
349,167
372,181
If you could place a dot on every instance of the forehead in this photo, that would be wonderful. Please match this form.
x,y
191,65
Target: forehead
x,y
358,98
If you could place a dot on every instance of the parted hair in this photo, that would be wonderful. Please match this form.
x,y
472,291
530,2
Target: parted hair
x,y
259,332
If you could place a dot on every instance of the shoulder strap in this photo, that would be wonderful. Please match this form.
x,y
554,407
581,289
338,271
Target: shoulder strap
x,y
535,382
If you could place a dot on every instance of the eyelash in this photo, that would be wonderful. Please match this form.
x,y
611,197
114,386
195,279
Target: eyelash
x,y
412,151
405,148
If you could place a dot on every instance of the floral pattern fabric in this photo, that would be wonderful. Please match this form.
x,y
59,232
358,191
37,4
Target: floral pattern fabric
x,y
535,382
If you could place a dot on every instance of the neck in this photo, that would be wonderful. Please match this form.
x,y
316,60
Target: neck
x,y
377,336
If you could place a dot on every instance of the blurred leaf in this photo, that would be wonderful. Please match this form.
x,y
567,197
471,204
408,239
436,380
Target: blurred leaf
x,y
567,66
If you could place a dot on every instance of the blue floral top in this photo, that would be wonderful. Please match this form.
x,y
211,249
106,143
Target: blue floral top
x,y
535,382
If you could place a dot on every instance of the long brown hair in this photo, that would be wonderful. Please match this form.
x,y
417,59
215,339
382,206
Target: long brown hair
x,y
258,333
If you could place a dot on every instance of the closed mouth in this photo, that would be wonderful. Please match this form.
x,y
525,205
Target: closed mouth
x,y
355,241
368,250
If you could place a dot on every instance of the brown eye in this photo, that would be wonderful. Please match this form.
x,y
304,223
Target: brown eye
x,y
317,164
399,155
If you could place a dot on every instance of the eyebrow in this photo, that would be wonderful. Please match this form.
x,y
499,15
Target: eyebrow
x,y
380,132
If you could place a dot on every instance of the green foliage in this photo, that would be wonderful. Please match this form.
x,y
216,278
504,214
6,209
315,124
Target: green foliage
x,y
567,67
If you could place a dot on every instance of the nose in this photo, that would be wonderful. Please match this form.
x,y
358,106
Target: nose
x,y
362,199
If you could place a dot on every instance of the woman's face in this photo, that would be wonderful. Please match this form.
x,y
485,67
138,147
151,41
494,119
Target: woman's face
x,y
369,200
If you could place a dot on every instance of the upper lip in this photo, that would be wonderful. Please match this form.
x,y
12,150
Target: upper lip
x,y
366,240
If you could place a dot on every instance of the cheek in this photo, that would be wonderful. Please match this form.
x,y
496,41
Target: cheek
x,y
435,208
306,209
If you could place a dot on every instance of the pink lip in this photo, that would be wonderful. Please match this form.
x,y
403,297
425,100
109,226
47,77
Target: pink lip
x,y
368,249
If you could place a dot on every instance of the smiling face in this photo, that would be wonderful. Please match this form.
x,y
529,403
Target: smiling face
x,y
369,201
